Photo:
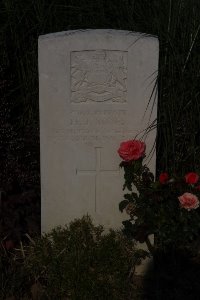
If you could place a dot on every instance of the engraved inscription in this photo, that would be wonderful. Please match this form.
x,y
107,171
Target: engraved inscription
x,y
98,76
94,126
97,125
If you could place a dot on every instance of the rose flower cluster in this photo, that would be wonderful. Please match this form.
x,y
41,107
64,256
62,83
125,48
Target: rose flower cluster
x,y
167,207
187,200
134,149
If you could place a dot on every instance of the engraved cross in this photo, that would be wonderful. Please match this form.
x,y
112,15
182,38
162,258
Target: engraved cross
x,y
97,172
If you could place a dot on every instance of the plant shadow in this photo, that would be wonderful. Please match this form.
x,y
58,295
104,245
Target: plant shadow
x,y
174,276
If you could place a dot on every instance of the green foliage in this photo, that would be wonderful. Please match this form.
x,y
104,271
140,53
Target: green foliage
x,y
85,264
78,261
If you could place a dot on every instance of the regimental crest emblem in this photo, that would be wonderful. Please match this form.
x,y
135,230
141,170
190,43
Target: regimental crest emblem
x,y
98,76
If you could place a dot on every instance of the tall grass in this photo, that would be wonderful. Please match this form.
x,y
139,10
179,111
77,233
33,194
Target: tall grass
x,y
177,25
178,119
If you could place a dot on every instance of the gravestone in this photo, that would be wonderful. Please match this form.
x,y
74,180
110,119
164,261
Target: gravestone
x,y
94,89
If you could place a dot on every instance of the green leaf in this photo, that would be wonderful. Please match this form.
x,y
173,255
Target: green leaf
x,y
131,197
137,165
127,224
123,204
134,196
128,197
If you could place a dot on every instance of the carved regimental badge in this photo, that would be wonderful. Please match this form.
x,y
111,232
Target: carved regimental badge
x,y
98,76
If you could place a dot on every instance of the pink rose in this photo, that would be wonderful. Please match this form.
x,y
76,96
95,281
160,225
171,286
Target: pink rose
x,y
191,178
131,150
163,178
188,201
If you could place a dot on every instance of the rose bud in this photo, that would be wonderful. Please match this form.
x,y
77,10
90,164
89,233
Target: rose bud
x,y
164,177
191,178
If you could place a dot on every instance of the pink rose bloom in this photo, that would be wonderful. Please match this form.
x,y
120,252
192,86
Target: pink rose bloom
x,y
191,178
188,201
131,150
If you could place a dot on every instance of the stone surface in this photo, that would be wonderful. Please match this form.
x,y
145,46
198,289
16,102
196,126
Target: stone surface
x,y
95,87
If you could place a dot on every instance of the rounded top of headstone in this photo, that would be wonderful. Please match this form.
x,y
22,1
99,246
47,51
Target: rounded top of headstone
x,y
88,32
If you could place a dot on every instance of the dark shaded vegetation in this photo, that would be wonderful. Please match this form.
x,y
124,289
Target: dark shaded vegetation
x,y
175,276
79,261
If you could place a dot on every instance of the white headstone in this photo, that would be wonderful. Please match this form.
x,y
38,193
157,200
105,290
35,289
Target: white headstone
x,y
95,86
